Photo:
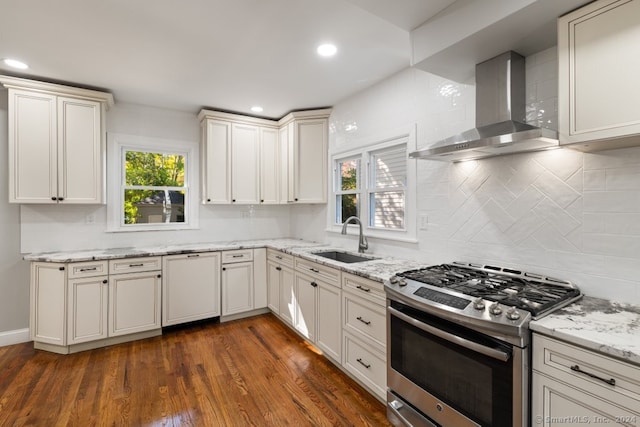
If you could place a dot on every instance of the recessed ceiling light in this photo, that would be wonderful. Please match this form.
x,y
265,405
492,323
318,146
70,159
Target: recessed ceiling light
x,y
15,63
257,109
327,49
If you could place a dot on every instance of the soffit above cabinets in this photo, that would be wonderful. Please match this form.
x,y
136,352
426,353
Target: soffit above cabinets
x,y
468,32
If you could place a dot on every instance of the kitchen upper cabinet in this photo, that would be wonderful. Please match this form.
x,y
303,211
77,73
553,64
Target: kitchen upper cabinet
x,y
269,166
245,164
190,287
304,136
247,160
598,75
56,143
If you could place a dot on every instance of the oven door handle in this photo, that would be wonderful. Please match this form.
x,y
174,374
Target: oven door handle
x,y
479,348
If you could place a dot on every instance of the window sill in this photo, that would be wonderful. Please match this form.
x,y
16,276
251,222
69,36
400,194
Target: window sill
x,y
150,228
375,235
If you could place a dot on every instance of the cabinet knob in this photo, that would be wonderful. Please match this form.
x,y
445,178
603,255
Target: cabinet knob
x,y
159,276
279,268
54,198
261,200
224,268
233,200
61,268
105,281
208,200
60,199
295,200
314,284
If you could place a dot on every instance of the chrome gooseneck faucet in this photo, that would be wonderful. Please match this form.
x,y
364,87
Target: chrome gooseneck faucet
x,y
362,244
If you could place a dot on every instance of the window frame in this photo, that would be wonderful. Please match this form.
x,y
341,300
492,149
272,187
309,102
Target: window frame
x,y
364,153
118,145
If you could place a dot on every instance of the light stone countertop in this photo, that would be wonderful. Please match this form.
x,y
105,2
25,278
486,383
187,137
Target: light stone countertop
x,y
597,324
379,269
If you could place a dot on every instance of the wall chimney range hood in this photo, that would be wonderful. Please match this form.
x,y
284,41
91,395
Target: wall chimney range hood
x,y
500,115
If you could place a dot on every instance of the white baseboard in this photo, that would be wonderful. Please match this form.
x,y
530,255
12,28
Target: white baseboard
x,y
14,337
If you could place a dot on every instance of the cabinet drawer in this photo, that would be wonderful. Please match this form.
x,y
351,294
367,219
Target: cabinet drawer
x,y
369,289
365,319
239,255
134,265
366,364
579,367
280,257
87,269
318,271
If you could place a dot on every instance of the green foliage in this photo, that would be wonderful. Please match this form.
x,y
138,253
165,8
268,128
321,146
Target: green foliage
x,y
349,181
149,169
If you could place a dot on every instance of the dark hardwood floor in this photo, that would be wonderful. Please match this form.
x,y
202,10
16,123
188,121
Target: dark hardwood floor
x,y
253,371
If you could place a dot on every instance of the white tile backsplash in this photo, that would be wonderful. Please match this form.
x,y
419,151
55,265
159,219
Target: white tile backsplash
x,y
563,213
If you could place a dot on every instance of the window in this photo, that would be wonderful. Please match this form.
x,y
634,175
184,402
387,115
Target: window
x,y
152,184
373,185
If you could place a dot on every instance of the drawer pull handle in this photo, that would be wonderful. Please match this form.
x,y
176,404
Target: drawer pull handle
x,y
237,256
314,270
193,256
89,269
609,381
136,265
314,284
362,363
279,268
366,322
362,288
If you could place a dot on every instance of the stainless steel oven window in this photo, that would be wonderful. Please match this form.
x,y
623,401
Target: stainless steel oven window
x,y
469,374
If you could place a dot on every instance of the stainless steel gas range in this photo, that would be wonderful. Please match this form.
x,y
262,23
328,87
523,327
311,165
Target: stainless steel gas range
x,y
458,343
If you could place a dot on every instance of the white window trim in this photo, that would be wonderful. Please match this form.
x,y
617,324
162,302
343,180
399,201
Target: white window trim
x,y
409,233
117,144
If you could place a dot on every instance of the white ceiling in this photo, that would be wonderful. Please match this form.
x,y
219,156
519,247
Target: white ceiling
x,y
224,54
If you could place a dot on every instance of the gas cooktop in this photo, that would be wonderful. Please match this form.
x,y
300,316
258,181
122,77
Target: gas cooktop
x,y
510,288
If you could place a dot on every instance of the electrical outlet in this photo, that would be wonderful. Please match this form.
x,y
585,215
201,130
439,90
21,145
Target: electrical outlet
x,y
423,221
90,218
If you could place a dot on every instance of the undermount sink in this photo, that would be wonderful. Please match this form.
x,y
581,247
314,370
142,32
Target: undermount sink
x,y
346,257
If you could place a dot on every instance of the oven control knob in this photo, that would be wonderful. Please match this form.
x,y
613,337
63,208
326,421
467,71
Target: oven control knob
x,y
402,282
512,313
495,309
394,280
478,303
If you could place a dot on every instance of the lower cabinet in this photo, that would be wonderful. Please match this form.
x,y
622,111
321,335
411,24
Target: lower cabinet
x,y
329,325
280,285
574,385
82,305
237,288
306,298
191,287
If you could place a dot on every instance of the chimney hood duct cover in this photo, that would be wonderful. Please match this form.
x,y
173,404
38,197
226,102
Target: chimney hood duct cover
x,y
500,116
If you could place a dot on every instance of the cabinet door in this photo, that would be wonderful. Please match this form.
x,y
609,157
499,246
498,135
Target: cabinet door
x,y
310,161
287,295
48,302
554,402
33,169
191,287
259,278
245,164
329,334
598,74
87,309
80,151
216,162
269,166
305,317
237,288
285,179
134,302
273,287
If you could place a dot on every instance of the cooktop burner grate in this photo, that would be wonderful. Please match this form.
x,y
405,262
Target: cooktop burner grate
x,y
526,291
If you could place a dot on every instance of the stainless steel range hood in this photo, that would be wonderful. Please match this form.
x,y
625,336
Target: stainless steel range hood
x,y
500,115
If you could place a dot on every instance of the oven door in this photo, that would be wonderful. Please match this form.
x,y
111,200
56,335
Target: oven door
x,y
452,374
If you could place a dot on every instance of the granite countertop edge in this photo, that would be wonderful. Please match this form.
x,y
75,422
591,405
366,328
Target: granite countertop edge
x,y
604,326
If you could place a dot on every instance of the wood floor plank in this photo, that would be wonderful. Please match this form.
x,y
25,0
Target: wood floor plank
x,y
250,372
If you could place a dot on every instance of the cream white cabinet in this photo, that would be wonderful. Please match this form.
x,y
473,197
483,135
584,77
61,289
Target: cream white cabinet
x,y
364,332
48,321
245,164
304,136
281,299
317,306
88,305
134,295
56,143
190,287
269,166
232,147
237,288
598,75
572,383
247,160
260,278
